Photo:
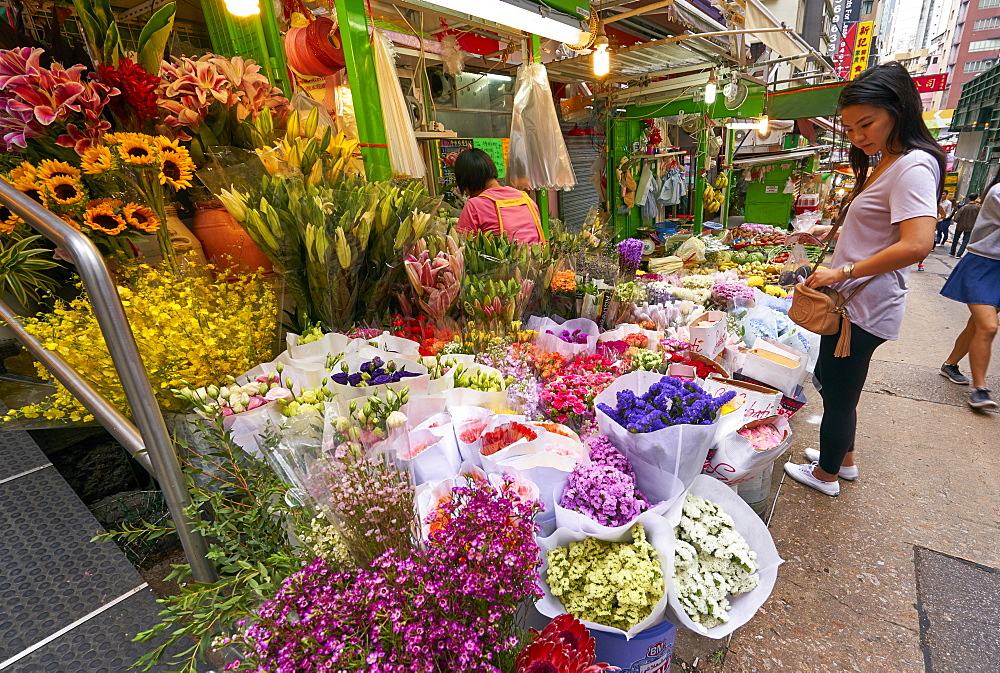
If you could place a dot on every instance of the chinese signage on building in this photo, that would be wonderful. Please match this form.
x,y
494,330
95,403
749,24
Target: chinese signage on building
x,y
862,47
845,12
931,83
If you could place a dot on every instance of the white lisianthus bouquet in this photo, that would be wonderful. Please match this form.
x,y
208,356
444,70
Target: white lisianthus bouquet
x,y
712,562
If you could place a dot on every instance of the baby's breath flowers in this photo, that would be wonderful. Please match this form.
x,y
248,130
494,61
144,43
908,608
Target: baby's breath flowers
x,y
611,583
191,331
712,562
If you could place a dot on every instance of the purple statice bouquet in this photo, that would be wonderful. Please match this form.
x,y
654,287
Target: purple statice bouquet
x,y
668,402
629,254
604,489
730,289
448,607
577,336
375,372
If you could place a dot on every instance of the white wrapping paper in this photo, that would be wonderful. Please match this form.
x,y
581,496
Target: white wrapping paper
x,y
749,525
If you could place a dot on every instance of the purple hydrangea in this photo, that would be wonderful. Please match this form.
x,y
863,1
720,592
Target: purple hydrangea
x,y
668,402
604,489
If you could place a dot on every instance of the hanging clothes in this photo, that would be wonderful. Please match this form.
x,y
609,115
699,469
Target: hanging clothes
x,y
628,184
650,209
645,183
673,188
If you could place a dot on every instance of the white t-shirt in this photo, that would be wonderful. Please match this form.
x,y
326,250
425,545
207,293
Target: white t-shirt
x,y
905,190
947,207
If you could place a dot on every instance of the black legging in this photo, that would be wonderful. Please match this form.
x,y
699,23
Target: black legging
x,y
841,381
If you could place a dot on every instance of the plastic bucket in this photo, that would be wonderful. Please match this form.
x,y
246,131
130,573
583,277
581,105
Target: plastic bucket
x,y
647,652
756,490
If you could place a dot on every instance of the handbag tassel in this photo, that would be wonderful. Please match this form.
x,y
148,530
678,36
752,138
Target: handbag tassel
x,y
843,349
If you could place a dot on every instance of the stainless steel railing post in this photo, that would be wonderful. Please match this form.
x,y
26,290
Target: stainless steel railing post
x,y
124,352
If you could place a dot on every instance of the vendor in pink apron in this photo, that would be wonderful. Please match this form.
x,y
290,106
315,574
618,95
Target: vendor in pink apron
x,y
492,207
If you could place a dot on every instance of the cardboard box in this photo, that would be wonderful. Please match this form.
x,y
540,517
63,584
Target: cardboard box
x,y
785,370
709,339
758,401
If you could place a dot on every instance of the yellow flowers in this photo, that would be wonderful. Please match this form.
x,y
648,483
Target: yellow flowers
x,y
64,190
191,330
104,216
176,168
97,160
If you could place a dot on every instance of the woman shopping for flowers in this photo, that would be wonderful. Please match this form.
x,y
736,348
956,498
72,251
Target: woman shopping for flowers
x,y
492,207
889,225
975,281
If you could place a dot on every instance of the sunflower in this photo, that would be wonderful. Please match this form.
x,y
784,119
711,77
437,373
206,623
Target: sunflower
x,y
64,190
71,221
36,192
176,168
25,173
50,169
8,220
96,160
164,143
141,217
136,150
103,218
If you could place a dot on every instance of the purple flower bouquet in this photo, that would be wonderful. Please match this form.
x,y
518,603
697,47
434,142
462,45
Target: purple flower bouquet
x,y
666,423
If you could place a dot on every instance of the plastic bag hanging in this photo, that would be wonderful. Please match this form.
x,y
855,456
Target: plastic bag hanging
x,y
538,158
404,154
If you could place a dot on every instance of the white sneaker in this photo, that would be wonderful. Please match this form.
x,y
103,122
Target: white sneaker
x,y
848,473
804,475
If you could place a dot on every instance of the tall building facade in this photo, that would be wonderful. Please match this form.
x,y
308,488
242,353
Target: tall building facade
x,y
974,47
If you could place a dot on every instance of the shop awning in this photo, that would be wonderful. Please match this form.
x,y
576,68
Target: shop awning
x,y
757,16
778,157
805,102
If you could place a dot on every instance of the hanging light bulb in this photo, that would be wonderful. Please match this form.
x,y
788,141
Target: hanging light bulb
x,y
602,57
243,8
763,125
711,89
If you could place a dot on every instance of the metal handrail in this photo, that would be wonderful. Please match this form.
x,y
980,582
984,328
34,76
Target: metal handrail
x,y
150,442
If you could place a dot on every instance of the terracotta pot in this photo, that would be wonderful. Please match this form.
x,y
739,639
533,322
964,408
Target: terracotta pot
x,y
225,242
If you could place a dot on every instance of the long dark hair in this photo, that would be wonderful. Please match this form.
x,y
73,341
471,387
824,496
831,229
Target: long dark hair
x,y
890,87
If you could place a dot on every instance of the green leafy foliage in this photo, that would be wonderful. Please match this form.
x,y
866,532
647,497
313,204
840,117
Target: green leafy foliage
x,y
154,36
242,512
22,267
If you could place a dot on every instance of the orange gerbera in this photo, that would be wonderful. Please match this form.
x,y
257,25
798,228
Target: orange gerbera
x,y
103,218
50,168
141,217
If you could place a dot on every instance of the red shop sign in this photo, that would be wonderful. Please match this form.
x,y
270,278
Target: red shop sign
x,y
929,83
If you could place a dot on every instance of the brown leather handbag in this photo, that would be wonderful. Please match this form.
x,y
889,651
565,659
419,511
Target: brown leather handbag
x,y
823,310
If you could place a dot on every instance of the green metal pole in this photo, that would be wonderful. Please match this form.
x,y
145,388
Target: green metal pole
x,y
730,146
360,59
543,194
700,163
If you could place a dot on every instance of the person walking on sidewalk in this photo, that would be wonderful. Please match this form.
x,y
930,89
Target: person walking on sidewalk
x,y
944,220
946,210
975,281
889,226
965,220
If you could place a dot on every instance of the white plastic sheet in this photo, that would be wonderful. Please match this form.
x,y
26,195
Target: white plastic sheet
x,y
404,153
679,450
659,533
538,158
758,538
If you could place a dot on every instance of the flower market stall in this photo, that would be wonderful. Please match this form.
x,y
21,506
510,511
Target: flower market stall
x,y
403,444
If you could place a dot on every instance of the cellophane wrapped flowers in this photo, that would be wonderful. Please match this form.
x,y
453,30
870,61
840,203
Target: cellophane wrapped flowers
x,y
604,489
611,583
711,562
670,401
449,607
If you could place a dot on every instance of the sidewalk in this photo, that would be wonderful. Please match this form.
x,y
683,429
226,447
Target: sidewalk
x,y
858,590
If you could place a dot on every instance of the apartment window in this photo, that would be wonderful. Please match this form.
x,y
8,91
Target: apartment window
x,y
987,24
988,4
985,45
980,66
866,6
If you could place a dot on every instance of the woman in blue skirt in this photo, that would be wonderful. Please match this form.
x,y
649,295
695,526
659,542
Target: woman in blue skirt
x,y
975,281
